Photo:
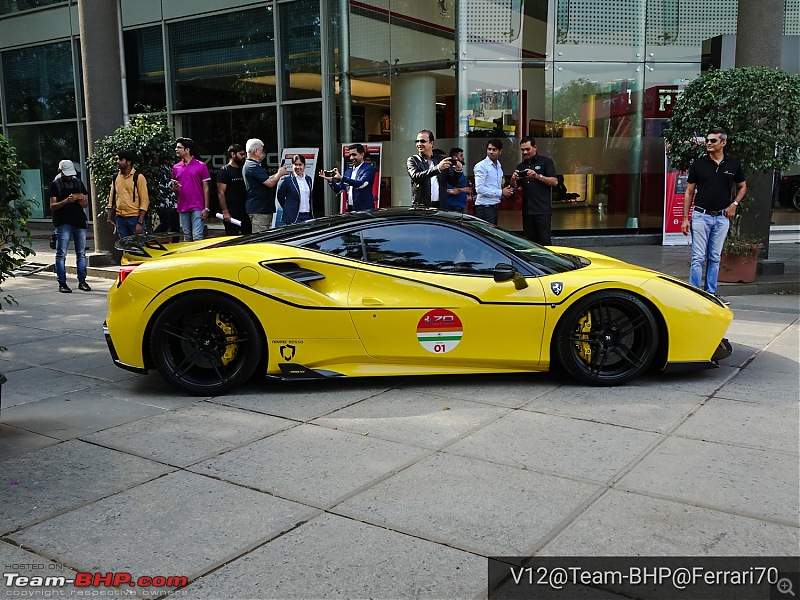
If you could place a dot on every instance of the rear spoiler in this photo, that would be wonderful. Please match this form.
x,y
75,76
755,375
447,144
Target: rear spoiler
x,y
138,245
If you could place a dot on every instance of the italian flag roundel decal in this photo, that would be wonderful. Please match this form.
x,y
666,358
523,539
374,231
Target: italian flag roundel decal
x,y
439,330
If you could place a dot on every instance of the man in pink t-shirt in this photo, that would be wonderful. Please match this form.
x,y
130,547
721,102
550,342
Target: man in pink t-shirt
x,y
190,179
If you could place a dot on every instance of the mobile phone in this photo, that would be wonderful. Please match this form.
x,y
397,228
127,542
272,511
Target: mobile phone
x,y
329,172
522,173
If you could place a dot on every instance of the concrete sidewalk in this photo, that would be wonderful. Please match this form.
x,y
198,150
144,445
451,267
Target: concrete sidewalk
x,y
385,487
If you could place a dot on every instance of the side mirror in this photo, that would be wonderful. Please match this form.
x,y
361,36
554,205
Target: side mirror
x,y
506,272
503,272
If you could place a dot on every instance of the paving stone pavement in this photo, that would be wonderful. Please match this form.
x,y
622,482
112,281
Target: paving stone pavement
x,y
386,487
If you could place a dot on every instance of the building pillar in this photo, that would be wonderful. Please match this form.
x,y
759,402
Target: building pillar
x,y
759,33
102,84
413,103
759,42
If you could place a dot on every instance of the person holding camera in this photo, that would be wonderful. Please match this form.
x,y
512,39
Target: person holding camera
x,y
430,175
357,181
457,194
260,186
489,183
536,175
68,199
294,193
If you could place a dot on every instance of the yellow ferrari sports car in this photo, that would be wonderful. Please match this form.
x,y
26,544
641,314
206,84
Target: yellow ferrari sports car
x,y
402,291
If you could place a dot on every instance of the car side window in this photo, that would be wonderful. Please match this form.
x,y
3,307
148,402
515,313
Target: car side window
x,y
347,245
430,248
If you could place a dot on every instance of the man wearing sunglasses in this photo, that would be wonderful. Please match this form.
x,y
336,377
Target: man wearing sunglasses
x,y
429,174
714,176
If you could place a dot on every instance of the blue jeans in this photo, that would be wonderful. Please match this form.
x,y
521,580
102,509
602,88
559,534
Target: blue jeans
x,y
126,226
708,237
78,234
192,225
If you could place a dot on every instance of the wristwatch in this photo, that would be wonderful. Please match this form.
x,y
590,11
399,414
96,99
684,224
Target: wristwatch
x,y
735,203
140,223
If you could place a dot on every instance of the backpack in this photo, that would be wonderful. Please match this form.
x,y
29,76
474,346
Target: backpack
x,y
114,189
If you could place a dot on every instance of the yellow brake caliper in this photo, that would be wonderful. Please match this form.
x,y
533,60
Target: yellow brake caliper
x,y
584,328
230,333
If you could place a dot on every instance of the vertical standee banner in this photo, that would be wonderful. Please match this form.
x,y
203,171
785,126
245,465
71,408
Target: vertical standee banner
x,y
674,190
373,157
310,154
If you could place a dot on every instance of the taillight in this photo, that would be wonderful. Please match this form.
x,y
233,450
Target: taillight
x,y
124,271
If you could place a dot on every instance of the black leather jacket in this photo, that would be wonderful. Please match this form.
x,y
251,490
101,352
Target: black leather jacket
x,y
421,172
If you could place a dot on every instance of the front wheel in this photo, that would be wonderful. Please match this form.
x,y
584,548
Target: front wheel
x,y
796,199
607,338
205,343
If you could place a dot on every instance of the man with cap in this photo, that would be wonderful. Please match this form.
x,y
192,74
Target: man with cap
x,y
68,199
128,200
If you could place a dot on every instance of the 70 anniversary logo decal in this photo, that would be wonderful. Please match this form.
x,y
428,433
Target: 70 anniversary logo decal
x,y
439,330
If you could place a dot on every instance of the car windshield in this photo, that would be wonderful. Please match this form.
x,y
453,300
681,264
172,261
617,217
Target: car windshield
x,y
527,250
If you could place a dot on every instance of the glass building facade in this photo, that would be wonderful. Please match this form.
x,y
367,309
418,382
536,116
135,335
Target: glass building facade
x,y
592,81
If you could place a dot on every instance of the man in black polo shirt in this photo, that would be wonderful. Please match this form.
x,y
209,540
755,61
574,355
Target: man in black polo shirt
x,y
536,174
232,193
715,177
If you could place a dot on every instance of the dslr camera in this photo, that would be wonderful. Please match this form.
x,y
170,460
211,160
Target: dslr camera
x,y
522,173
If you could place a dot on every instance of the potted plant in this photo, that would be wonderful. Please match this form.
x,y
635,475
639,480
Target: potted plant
x,y
740,259
740,252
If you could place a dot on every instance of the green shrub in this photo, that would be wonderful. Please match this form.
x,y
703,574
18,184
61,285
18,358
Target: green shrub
x,y
759,107
15,235
151,137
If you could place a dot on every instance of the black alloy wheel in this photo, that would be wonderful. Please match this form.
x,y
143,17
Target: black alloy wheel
x,y
205,343
607,338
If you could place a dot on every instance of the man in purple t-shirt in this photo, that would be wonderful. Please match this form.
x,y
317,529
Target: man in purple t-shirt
x,y
190,179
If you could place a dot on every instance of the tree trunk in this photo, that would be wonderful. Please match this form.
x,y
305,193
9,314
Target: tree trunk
x,y
759,39
102,84
755,221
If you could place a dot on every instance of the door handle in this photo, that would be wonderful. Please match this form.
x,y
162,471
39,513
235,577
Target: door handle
x,y
371,301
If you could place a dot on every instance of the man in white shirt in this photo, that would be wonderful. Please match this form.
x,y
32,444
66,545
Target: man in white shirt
x,y
489,183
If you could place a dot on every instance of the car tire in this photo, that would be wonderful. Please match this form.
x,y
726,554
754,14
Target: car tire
x,y
796,199
205,343
607,338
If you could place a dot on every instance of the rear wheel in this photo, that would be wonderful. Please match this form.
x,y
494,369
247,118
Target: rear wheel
x,y
796,199
607,338
205,343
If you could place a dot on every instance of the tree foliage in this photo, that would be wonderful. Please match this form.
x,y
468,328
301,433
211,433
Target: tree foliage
x,y
759,107
15,235
151,137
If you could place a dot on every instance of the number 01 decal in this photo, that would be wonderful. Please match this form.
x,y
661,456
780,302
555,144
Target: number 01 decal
x,y
439,330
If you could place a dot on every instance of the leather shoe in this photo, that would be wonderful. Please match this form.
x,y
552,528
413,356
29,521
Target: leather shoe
x,y
64,288
84,286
